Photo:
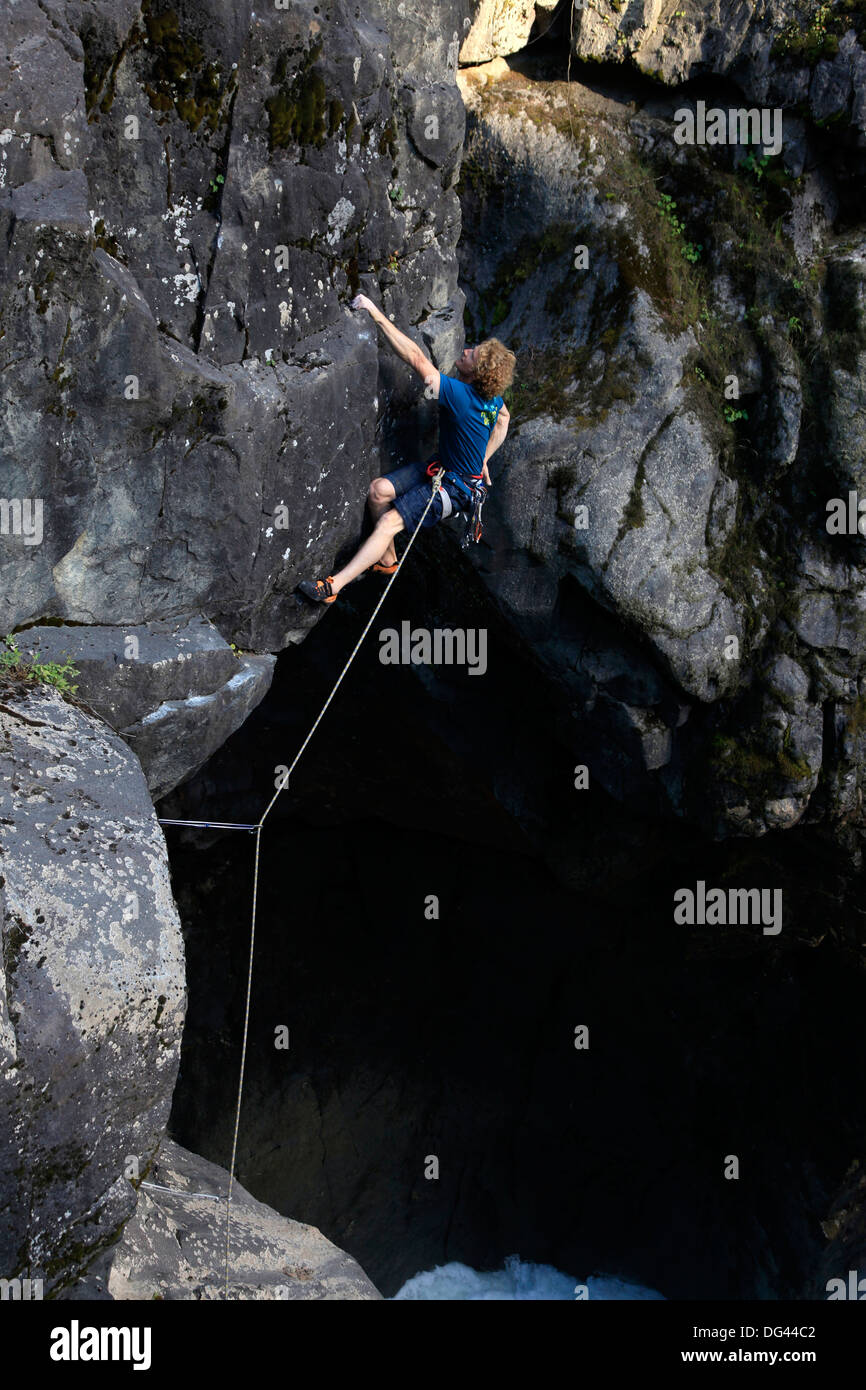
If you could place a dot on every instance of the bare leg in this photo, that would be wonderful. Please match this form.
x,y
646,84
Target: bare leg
x,y
379,499
390,523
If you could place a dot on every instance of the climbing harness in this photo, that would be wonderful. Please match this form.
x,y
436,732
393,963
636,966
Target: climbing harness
x,y
475,494
437,476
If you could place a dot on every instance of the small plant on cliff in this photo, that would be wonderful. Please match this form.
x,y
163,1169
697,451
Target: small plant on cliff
x,y
756,166
810,41
14,664
668,209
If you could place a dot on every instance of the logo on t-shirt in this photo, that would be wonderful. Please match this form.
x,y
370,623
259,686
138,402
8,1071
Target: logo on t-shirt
x,y
488,415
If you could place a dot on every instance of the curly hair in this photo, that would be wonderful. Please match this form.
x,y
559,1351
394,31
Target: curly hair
x,y
494,368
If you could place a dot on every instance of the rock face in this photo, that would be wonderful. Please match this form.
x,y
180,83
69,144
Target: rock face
x,y
191,196
174,690
728,685
845,1229
188,214
93,997
778,55
174,1245
499,29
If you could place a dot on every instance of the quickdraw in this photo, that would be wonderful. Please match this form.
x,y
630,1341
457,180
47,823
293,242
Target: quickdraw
x,y
474,528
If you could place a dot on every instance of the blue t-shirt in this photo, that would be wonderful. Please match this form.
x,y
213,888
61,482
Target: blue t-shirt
x,y
465,425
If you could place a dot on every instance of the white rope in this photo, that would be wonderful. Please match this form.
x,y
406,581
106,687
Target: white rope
x,y
209,824
284,782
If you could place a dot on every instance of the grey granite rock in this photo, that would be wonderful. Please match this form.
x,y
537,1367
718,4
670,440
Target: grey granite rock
x,y
620,478
194,403
174,690
762,49
174,740
93,997
125,672
174,1245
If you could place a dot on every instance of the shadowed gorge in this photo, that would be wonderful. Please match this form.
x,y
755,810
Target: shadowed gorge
x,y
455,1036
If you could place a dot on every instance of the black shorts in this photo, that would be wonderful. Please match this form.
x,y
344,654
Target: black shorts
x,y
412,486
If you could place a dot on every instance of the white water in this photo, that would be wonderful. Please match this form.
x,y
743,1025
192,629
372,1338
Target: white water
x,y
517,1282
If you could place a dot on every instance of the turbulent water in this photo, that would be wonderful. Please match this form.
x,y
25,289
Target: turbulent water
x,y
517,1282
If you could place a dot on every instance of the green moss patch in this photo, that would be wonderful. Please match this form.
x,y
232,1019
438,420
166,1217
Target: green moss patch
x,y
388,139
634,513
179,76
299,112
100,68
547,383
15,938
104,239
755,771
855,717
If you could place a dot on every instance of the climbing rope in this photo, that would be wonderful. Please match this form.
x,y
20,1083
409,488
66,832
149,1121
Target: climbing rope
x,y
283,783
209,824
568,70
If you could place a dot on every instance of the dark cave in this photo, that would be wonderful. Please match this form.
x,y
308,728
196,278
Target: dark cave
x,y
455,1036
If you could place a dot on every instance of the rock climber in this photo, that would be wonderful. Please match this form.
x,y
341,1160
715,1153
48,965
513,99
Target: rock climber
x,y
473,422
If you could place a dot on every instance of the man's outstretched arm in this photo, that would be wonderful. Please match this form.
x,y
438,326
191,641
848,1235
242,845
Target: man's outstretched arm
x,y
402,345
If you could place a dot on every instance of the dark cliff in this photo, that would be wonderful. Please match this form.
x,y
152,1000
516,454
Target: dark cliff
x,y
190,197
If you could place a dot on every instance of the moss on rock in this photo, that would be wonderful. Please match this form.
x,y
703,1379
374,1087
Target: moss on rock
x,y
179,74
299,112
753,769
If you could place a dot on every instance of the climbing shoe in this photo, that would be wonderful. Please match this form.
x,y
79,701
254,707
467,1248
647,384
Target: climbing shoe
x,y
384,569
318,590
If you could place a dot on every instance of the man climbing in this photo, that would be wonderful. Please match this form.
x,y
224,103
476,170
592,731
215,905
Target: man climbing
x,y
473,422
